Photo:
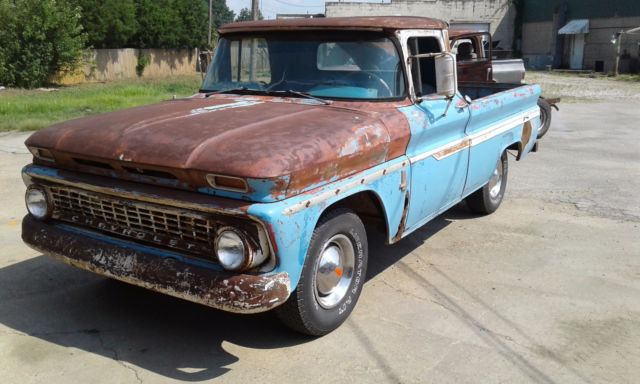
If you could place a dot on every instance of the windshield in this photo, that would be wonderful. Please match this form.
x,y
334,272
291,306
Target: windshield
x,y
326,65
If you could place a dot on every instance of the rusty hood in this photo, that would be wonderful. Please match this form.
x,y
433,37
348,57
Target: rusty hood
x,y
280,146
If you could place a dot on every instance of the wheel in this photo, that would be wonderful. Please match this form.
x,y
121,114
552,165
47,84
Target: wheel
x,y
487,199
332,276
545,117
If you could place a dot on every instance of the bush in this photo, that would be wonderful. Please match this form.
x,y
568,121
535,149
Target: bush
x,y
38,39
143,61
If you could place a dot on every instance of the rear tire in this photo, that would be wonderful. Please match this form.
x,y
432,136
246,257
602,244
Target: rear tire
x,y
332,277
487,199
545,117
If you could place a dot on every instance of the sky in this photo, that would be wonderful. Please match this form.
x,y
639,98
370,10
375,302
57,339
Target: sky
x,y
270,8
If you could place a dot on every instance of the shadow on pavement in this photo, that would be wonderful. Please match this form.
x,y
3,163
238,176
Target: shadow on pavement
x,y
383,256
174,338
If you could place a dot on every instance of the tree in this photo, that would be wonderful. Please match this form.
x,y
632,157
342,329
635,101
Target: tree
x,y
157,23
38,39
108,23
194,18
245,15
221,13
177,23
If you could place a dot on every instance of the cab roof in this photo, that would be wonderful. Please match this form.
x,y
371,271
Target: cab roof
x,y
378,23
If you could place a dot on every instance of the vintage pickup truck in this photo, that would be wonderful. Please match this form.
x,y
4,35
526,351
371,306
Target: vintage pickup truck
x,y
254,193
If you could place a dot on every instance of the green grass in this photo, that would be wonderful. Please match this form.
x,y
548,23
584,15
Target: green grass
x,y
27,110
629,77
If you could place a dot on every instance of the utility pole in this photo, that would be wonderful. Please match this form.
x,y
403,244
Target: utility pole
x,y
210,22
255,9
616,70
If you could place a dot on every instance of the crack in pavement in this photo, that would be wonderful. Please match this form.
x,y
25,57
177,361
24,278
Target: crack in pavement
x,y
116,357
96,332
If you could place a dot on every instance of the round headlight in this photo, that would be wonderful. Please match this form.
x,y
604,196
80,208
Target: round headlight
x,y
37,202
230,250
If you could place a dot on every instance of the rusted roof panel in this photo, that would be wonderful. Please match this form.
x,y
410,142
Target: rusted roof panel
x,y
365,23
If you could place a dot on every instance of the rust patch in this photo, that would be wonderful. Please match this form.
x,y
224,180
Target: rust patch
x,y
239,293
453,149
526,137
342,23
403,221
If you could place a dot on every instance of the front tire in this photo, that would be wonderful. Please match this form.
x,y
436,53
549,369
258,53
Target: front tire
x,y
487,199
332,276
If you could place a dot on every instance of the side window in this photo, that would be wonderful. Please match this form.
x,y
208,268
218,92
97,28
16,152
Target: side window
x,y
427,66
473,48
243,52
466,49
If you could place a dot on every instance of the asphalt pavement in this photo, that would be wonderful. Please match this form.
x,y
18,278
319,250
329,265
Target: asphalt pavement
x,y
545,290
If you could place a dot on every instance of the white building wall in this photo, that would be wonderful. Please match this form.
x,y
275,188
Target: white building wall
x,y
496,12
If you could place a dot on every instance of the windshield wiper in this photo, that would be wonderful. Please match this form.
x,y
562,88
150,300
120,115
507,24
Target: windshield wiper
x,y
287,92
305,95
228,90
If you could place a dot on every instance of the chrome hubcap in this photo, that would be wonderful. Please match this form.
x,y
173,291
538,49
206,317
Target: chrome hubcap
x,y
543,119
334,271
495,183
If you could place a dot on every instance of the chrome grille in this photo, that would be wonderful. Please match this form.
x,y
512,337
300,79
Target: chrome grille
x,y
138,220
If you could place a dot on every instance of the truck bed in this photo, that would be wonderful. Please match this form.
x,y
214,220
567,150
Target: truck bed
x,y
480,90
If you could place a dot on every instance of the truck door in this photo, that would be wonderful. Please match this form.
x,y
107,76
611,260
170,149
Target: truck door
x,y
438,148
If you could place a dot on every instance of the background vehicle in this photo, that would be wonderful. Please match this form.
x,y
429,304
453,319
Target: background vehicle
x,y
476,64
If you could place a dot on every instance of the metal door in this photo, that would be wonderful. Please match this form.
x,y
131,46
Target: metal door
x,y
577,51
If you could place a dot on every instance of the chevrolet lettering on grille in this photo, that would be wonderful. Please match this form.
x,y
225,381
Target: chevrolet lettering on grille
x,y
152,224
147,237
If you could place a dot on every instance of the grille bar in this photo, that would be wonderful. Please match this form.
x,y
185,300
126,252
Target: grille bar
x,y
144,222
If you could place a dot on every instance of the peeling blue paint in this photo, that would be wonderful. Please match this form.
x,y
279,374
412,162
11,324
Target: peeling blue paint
x,y
293,231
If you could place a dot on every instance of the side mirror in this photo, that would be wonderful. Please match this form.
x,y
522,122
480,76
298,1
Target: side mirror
x,y
446,78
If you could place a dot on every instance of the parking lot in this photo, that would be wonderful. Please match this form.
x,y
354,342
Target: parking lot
x,y
546,290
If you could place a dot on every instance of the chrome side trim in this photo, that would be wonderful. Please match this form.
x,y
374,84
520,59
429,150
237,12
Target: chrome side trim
x,y
504,126
458,145
442,148
335,191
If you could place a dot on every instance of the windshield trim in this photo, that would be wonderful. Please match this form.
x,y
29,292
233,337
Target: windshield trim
x,y
392,37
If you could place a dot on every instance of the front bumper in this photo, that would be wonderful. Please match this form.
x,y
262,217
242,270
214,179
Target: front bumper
x,y
156,270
